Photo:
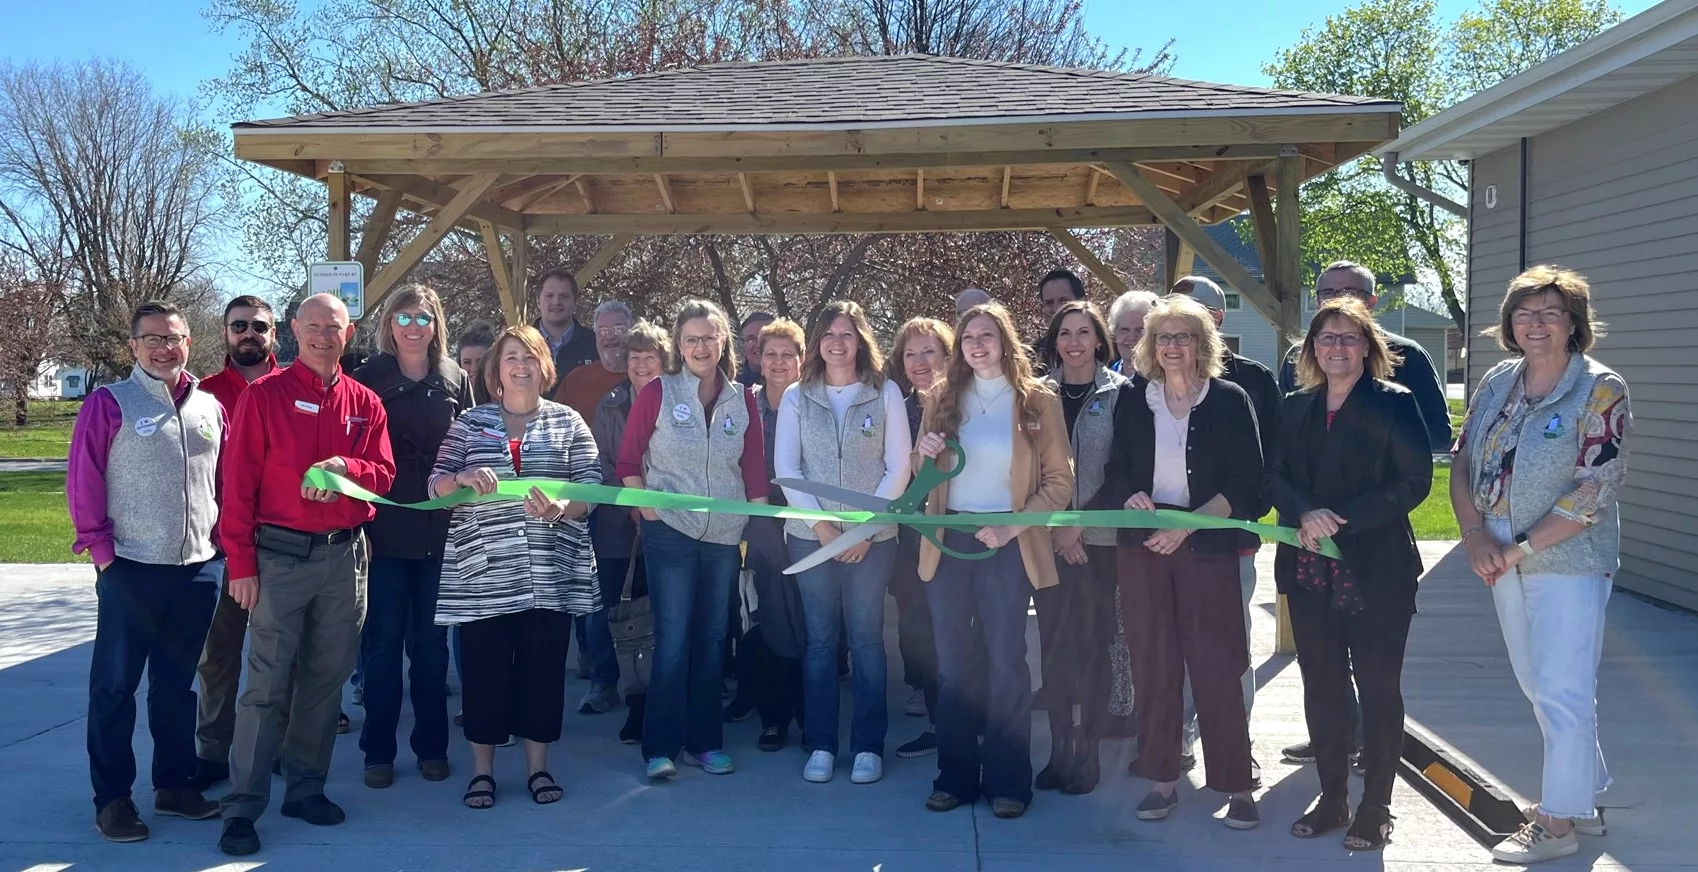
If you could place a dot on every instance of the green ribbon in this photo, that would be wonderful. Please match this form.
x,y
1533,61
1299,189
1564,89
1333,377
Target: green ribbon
x,y
511,490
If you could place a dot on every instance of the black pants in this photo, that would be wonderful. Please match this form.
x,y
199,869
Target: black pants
x,y
773,683
914,621
515,679
1330,645
1075,629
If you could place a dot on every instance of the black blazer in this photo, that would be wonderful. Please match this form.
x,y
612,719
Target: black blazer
x,y
1373,467
1223,456
419,415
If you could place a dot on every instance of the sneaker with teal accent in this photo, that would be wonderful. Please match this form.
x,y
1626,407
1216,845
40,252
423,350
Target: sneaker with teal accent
x,y
661,769
714,762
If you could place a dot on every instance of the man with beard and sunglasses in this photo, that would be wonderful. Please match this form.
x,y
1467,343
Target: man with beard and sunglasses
x,y
250,345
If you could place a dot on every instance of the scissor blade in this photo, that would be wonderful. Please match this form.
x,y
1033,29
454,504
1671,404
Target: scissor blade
x,y
853,536
863,501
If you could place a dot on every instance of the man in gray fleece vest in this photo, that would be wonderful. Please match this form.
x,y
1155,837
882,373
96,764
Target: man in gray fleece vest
x,y
141,487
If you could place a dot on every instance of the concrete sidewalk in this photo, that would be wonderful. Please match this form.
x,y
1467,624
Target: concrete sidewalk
x,y
1457,682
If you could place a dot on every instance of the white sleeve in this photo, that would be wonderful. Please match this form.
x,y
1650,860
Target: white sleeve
x,y
787,447
898,444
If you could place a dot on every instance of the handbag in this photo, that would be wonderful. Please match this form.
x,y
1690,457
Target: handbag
x,y
632,624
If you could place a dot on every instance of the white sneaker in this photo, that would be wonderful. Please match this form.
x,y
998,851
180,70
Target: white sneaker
x,y
1535,844
821,765
869,767
915,707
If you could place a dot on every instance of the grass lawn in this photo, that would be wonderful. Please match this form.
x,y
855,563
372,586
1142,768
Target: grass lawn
x,y
38,526
1432,519
48,434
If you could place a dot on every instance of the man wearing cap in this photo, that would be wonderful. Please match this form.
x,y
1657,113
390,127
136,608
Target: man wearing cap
x,y
296,556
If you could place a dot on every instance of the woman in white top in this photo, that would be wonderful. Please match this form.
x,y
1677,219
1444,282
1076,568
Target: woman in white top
x,y
843,424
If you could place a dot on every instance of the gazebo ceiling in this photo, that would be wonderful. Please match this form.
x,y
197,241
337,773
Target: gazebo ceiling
x,y
862,144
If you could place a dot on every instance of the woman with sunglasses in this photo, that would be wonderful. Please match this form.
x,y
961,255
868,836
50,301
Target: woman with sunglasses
x,y
423,390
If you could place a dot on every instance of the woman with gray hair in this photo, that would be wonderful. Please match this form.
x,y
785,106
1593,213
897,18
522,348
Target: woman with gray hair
x,y
423,390
1126,326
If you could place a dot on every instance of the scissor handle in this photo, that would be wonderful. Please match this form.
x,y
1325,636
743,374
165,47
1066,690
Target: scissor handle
x,y
932,535
928,478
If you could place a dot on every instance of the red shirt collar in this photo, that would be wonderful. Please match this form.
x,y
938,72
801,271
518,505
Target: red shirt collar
x,y
310,379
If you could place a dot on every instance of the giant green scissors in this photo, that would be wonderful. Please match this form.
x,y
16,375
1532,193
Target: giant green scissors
x,y
925,481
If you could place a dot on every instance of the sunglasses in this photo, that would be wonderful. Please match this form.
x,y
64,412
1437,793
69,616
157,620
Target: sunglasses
x,y
408,319
260,328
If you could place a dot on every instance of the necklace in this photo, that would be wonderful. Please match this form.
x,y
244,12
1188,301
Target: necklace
x,y
984,404
1084,390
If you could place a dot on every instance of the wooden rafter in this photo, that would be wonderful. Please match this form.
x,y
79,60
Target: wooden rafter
x,y
748,192
1007,177
445,220
1218,186
584,194
439,195
1089,259
603,256
502,272
665,193
1262,223
376,232
920,190
831,179
517,185
937,220
1091,186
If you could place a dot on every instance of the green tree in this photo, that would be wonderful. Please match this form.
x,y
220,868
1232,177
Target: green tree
x,y
1401,50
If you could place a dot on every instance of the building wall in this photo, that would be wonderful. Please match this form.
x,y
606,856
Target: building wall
x,y
1615,196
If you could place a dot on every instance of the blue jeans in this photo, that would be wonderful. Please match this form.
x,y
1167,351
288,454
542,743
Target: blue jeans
x,y
155,617
401,617
689,585
596,634
994,591
850,595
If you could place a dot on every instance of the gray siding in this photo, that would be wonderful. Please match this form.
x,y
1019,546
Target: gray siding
x,y
1615,196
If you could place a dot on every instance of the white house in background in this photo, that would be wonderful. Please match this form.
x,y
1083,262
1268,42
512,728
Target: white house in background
x,y
1249,334
60,382
1590,161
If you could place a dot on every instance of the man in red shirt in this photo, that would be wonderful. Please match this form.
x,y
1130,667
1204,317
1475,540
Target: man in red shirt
x,y
250,342
295,559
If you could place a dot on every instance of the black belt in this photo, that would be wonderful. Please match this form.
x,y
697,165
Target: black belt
x,y
334,537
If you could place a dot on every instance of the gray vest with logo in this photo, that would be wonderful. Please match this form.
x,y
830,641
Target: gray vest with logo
x,y
161,473
849,455
1093,435
697,451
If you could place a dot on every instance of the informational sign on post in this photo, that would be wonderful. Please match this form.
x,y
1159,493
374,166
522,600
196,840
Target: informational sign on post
x,y
345,279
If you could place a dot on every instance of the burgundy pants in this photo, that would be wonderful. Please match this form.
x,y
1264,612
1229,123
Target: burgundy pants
x,y
1182,612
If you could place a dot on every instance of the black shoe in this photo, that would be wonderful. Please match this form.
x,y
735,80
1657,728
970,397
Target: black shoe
x,y
1241,814
208,773
1187,762
317,810
1087,768
184,803
239,838
919,746
1155,806
120,822
772,739
1302,752
1059,770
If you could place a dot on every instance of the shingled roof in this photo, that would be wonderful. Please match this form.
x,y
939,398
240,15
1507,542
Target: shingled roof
x,y
902,89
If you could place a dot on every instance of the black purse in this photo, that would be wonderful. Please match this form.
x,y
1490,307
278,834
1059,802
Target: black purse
x,y
632,623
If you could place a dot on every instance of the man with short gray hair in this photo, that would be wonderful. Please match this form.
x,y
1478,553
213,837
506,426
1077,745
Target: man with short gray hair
x,y
583,388
972,297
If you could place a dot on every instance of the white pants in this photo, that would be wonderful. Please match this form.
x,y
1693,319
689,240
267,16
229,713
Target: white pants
x,y
1246,590
1553,626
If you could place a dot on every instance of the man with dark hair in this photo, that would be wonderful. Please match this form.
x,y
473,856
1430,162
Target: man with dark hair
x,y
749,373
1057,288
557,308
474,343
141,484
250,341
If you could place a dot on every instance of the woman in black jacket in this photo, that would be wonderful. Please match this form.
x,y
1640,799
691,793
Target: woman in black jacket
x,y
1185,439
423,390
1352,463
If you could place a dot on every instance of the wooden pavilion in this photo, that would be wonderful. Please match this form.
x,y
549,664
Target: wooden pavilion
x,y
912,143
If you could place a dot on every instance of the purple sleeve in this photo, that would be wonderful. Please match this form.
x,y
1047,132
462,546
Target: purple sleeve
x,y
85,476
755,486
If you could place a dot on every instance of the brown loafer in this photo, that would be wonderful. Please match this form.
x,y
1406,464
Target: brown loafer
x,y
943,800
120,822
434,770
1006,808
380,775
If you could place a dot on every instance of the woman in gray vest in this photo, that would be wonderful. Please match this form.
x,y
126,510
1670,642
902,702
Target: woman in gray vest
x,y
1541,459
843,424
693,430
1076,617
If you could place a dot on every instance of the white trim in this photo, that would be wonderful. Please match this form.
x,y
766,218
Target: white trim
x,y
1662,26
1276,112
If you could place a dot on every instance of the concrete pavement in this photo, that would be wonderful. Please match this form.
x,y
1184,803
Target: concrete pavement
x,y
1457,682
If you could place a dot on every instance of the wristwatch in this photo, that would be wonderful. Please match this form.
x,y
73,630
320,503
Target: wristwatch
x,y
1525,544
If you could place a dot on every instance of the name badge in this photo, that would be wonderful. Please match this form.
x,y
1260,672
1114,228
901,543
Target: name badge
x,y
309,408
147,426
681,412
497,435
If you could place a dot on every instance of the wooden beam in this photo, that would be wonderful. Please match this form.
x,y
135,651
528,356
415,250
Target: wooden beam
x,y
1218,186
1007,177
748,192
1178,259
1288,240
397,269
920,190
603,256
1089,260
665,193
502,272
521,266
584,193
935,221
426,191
831,179
1091,187
522,203
1262,223
1174,218
517,185
337,184
376,232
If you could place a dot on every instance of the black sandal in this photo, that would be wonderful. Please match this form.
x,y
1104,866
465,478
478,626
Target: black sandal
x,y
478,798
1371,831
1322,818
550,792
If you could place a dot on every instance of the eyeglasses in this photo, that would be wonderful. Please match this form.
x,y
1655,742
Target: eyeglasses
x,y
612,331
1326,294
153,341
408,319
1329,340
712,339
1547,317
259,328
1183,340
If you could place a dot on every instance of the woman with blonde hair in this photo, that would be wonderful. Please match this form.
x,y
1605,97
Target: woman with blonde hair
x,y
424,391
1009,425
1186,439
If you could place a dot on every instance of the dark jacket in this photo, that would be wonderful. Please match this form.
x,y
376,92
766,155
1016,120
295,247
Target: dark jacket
x,y
1415,373
1372,467
613,532
1222,451
419,415
783,627
1258,382
577,350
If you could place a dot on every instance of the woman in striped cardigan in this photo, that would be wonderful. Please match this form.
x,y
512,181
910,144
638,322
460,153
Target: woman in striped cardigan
x,y
514,573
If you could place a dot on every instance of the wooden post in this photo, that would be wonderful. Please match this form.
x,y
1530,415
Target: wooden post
x,y
376,231
1178,260
499,269
1262,222
521,266
1090,261
336,181
1288,255
445,220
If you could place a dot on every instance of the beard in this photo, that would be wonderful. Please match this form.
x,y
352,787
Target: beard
x,y
248,353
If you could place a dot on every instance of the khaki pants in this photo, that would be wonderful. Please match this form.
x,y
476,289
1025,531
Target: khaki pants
x,y
305,632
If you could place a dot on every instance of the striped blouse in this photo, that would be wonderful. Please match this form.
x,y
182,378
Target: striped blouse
x,y
485,572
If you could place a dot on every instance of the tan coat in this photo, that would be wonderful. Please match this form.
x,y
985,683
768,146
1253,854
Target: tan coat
x,y
1043,482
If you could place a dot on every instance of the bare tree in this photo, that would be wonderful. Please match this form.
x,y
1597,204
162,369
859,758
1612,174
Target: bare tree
x,y
99,172
30,303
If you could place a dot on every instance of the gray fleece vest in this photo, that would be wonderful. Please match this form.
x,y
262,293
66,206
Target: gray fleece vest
x,y
1093,436
699,451
849,455
161,473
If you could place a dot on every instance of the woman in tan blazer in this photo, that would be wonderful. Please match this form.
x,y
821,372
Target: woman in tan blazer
x,y
1010,426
